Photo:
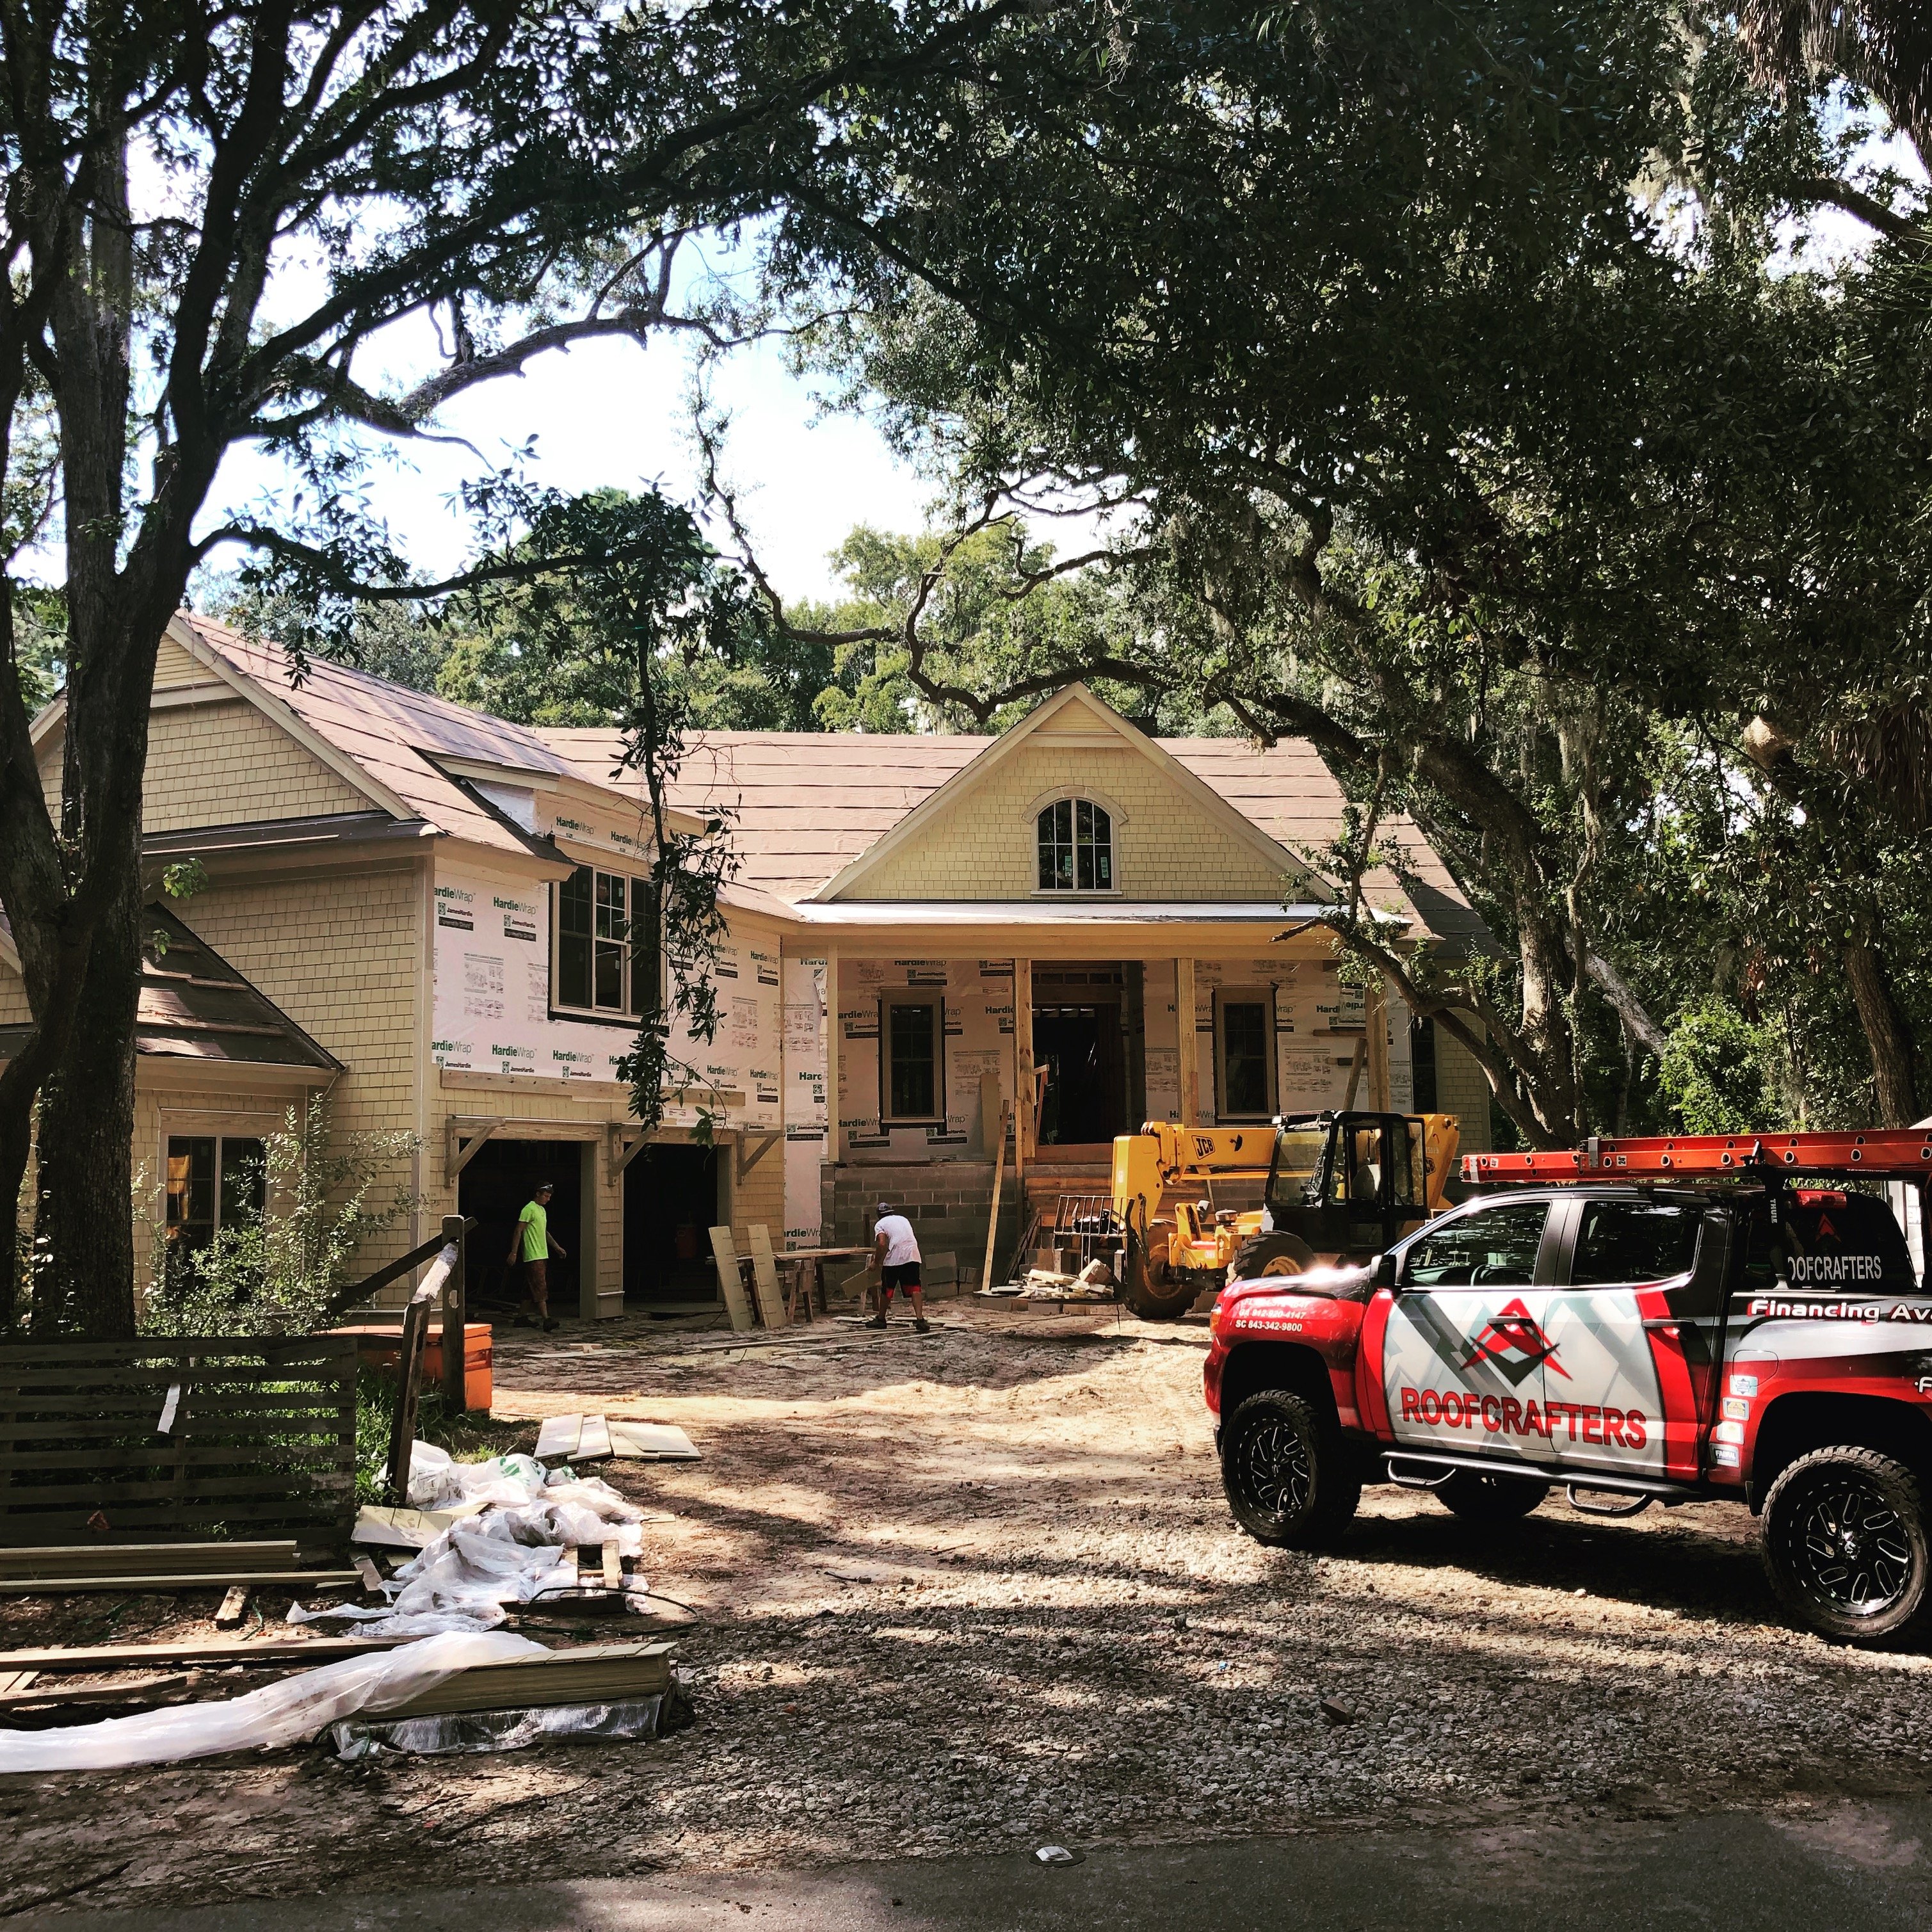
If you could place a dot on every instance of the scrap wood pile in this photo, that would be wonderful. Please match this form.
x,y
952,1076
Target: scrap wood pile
x,y
428,1669
1093,1282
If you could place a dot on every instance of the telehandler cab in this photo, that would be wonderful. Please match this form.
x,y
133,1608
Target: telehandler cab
x,y
1307,1190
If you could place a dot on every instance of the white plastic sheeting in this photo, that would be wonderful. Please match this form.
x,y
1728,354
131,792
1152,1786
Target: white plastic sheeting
x,y
277,1714
519,1545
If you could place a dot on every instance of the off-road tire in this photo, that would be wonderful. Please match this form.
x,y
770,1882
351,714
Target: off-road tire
x,y
1166,1300
1287,1472
1845,1544
1484,1499
1266,1254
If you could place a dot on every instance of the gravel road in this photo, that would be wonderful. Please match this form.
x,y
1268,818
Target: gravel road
x,y
980,1589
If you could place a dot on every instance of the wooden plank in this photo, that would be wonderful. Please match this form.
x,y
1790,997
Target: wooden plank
x,y
614,1564
731,1285
556,1440
372,1577
16,1680
765,1278
234,1608
652,1442
264,1486
278,1654
297,1459
402,1434
75,1559
138,1691
999,1180
163,1583
589,1674
593,1445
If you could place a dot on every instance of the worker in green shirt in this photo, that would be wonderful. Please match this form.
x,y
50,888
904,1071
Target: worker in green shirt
x,y
533,1244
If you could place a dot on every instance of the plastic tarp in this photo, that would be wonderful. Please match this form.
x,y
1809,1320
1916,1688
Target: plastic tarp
x,y
498,1730
521,1542
286,1713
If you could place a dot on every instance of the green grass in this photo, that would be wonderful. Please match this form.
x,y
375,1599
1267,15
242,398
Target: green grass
x,y
469,1438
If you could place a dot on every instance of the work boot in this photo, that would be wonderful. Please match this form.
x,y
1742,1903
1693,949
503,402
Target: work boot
x,y
877,1321
922,1327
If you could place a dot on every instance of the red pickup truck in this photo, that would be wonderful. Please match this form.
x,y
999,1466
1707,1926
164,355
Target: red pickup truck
x,y
1755,1341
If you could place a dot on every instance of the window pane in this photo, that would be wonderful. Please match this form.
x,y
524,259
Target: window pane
x,y
1046,861
610,992
1408,1190
573,902
912,1086
1365,1165
1083,859
1635,1241
644,948
244,1181
610,907
1244,1044
1103,850
573,939
1494,1247
191,1216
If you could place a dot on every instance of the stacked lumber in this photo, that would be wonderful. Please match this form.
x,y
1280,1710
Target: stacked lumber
x,y
600,1673
64,1568
591,1438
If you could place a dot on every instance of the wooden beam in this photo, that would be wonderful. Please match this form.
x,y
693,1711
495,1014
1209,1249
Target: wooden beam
x,y
280,1654
1026,1090
1188,1041
620,1156
456,1157
1375,1016
835,1056
746,1163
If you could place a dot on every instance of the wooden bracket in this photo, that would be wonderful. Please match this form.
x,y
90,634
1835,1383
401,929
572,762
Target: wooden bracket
x,y
620,1156
747,1162
456,1156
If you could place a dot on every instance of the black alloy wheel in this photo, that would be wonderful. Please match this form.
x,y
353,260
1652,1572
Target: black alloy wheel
x,y
1845,1543
1284,1469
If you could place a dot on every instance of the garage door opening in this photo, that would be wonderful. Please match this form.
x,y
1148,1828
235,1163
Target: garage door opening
x,y
503,1175
670,1205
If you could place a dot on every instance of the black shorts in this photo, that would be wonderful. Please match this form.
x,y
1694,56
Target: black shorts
x,y
906,1275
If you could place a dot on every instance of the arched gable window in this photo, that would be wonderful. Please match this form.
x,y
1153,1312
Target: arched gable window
x,y
1076,847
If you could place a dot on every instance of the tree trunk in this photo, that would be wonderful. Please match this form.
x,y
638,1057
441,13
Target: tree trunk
x,y
1894,1057
84,1224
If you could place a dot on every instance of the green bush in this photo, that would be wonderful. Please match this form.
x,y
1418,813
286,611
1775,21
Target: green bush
x,y
1721,1071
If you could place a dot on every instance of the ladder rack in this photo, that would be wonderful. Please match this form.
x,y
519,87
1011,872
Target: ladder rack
x,y
1886,1153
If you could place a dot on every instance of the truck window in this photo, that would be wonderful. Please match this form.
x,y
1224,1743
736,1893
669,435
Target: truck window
x,y
1633,1241
1493,1247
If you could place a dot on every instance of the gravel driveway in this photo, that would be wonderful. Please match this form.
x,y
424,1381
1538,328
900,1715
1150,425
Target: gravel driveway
x,y
981,1588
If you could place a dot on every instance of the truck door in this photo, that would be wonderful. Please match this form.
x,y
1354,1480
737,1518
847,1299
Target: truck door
x,y
1629,1360
1462,1357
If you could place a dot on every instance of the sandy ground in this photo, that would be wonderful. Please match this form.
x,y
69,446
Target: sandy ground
x,y
980,1588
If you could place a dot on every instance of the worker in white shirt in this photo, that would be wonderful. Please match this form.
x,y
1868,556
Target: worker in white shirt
x,y
895,1256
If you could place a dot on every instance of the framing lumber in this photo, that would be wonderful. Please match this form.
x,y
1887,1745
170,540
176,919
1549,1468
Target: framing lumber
x,y
620,1156
459,1128
164,1582
746,1162
601,1673
282,1654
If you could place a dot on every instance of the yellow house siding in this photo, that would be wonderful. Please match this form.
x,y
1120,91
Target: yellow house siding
x,y
14,1010
174,668
1462,1089
1166,845
226,764
340,952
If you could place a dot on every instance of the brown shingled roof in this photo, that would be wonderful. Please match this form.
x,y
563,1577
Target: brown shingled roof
x,y
193,1005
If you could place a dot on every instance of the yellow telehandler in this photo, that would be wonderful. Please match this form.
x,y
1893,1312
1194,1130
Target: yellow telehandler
x,y
1333,1188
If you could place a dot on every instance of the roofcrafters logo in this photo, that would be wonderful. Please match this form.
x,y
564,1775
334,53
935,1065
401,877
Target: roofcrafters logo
x,y
1514,1342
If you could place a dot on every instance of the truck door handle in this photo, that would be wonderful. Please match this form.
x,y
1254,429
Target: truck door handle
x,y
1662,1325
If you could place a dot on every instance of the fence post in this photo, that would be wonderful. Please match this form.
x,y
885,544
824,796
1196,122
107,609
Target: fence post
x,y
455,1318
402,1434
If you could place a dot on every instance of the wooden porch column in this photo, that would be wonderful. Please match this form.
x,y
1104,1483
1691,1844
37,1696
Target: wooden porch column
x,y
1026,1117
1188,1056
1375,1017
835,1055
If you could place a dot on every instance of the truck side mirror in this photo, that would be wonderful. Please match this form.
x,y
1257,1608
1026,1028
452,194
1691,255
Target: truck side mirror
x,y
1382,1270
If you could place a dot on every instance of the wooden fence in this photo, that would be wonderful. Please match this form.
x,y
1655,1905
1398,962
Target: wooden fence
x,y
142,1440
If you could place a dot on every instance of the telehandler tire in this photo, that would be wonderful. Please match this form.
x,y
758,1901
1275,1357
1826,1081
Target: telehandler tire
x,y
1266,1254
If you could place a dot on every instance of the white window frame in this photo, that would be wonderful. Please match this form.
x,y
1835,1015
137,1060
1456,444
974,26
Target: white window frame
x,y
1245,996
936,1005
626,1014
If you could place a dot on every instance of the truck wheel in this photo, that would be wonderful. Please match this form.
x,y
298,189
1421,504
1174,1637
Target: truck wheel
x,y
1286,1470
1266,1254
1490,1498
1845,1544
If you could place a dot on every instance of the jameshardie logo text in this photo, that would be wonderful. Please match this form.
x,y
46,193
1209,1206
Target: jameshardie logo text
x,y
1514,1341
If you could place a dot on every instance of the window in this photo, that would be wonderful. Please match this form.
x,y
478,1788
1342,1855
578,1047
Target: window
x,y
1634,1241
1495,1247
911,1066
1244,1056
213,1182
1076,847
598,969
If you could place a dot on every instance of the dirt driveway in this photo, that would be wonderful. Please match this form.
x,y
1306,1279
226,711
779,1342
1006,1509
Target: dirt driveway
x,y
980,1588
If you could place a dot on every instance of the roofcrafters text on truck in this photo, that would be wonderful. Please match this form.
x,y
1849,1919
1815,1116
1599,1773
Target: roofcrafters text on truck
x,y
1697,1319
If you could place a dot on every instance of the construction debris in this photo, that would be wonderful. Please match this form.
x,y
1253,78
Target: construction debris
x,y
234,1608
91,1659
591,1438
66,1569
